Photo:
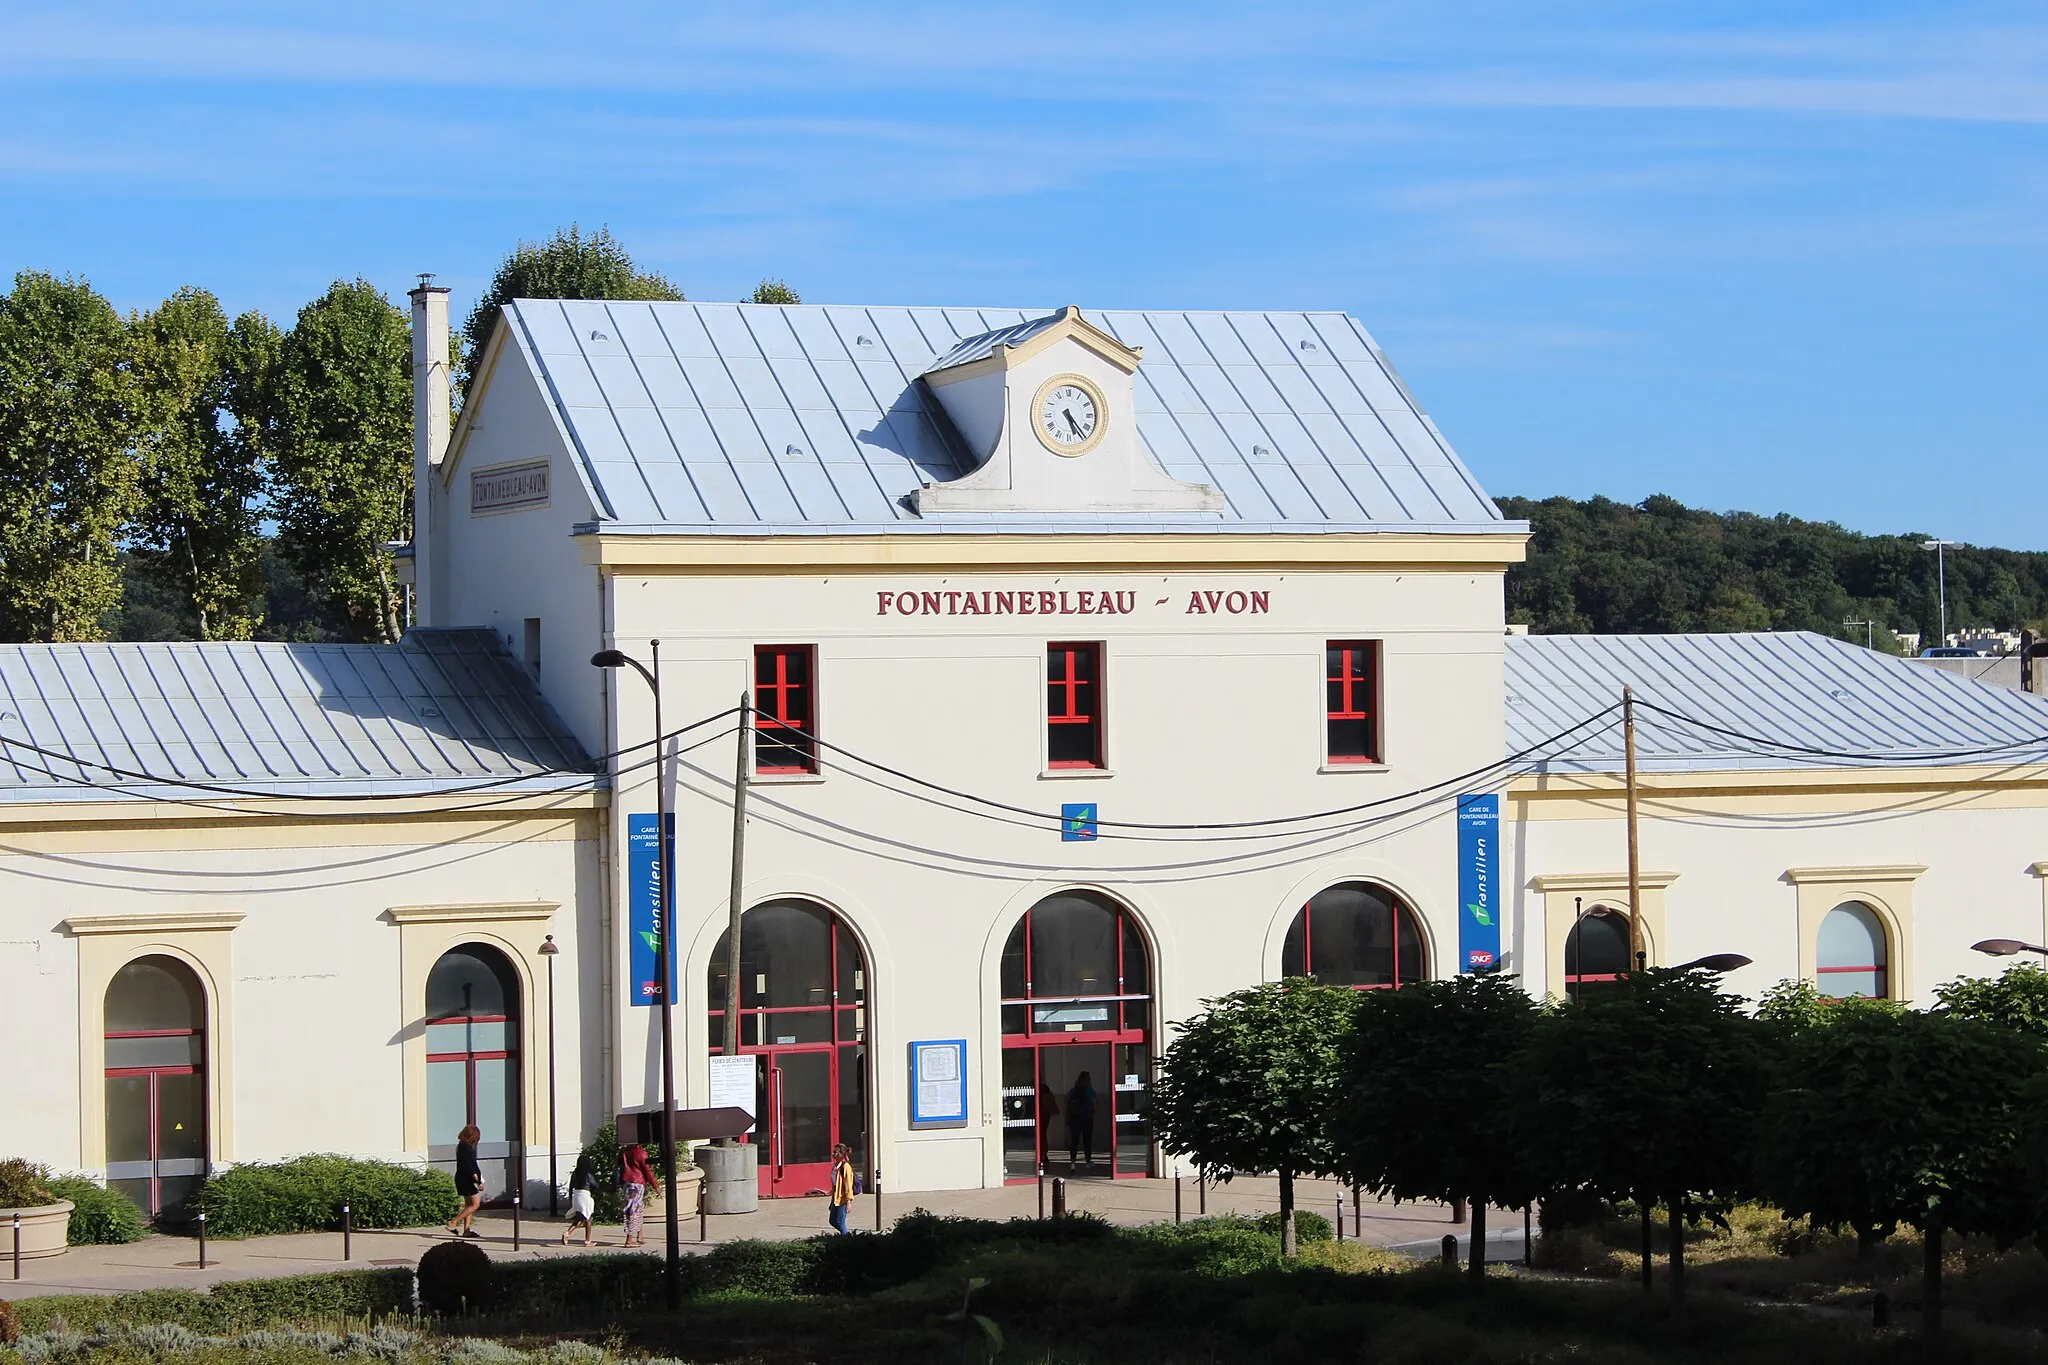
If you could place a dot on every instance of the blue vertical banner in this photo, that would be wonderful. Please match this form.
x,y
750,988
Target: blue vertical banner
x,y
645,912
1479,882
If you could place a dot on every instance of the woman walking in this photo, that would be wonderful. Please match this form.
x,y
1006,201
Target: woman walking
x,y
582,1201
469,1182
842,1186
636,1173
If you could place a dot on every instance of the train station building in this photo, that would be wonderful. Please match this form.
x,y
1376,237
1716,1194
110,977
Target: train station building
x,y
1095,665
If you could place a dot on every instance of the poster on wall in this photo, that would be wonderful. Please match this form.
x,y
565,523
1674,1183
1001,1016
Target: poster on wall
x,y
1479,882
733,1082
938,1084
644,908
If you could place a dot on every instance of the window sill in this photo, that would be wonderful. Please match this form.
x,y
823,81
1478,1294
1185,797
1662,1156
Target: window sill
x,y
1355,768
785,779
1073,774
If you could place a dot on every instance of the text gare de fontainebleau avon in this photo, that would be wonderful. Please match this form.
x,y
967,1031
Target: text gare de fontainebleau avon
x,y
1066,602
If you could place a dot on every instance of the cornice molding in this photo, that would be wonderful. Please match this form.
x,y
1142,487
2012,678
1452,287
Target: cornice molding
x,y
497,912
1600,881
1874,872
165,922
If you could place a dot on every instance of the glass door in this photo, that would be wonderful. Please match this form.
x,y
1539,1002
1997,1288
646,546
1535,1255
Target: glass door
x,y
794,1091
155,1050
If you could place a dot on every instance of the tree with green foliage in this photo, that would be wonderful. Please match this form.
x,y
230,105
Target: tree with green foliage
x,y
71,412
1422,1112
338,424
1250,1084
774,291
1649,1091
1886,1116
198,525
568,265
2017,999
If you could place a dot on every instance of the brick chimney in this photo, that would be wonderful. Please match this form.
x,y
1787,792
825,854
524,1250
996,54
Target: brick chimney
x,y
430,415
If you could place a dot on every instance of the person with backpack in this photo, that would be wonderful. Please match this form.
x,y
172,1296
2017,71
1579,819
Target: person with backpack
x,y
582,1200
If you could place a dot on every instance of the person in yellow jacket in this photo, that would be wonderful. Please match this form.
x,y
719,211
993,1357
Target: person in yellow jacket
x,y
842,1186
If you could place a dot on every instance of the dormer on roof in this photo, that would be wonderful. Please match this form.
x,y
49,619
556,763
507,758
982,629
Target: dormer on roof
x,y
1047,410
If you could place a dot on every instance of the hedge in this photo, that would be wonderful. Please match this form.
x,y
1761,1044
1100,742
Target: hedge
x,y
235,1305
306,1193
101,1217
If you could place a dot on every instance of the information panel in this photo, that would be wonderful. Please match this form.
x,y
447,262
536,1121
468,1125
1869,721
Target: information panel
x,y
938,1084
1479,882
733,1082
644,910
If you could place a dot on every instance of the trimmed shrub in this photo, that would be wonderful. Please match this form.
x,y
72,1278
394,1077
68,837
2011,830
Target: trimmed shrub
x,y
306,1193
24,1185
1308,1227
455,1279
580,1285
234,1306
102,1217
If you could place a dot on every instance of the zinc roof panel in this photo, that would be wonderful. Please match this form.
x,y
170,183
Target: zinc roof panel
x,y
903,343
639,330
1170,384
674,493
844,387
619,377
768,491
1261,339
547,328
858,490
756,382
1213,387
1333,497
772,332
711,383
739,435
1417,442
815,333
728,330
814,491
686,334
1372,492
1219,339
574,385
1255,389
1346,344
801,388
718,484
1246,495
1298,391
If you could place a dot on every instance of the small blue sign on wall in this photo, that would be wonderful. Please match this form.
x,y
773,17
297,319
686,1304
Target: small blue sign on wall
x,y
938,1084
1479,882
645,917
1077,822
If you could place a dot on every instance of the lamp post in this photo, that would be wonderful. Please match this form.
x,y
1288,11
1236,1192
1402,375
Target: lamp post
x,y
2006,947
612,658
1869,632
1716,963
549,951
1941,549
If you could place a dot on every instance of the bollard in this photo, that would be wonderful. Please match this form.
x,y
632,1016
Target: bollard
x,y
516,1202
703,1215
1176,1196
347,1230
1041,1191
202,1239
1450,1251
1340,1213
878,1199
1357,1214
1202,1194
1528,1251
17,1246
1059,1196
1881,1310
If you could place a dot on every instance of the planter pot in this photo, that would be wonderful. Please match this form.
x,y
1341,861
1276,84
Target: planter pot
x,y
44,1229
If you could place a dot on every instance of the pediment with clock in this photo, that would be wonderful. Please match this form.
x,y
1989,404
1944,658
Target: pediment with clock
x,y
1046,408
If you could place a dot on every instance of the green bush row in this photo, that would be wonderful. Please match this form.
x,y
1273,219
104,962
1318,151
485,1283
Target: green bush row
x,y
101,1217
306,1193
233,1306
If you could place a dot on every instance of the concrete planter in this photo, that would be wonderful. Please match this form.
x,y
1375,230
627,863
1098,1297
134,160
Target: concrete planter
x,y
44,1229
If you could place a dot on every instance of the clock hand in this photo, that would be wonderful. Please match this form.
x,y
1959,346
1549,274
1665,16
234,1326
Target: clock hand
x,y
1068,413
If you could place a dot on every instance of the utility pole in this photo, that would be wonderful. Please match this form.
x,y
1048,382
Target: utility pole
x,y
739,851
1869,632
1941,549
1636,949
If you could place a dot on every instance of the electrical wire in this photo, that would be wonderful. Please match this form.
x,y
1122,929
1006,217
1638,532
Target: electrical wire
x,y
1773,747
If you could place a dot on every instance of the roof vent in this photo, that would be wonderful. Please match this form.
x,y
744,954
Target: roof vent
x,y
430,712
1308,345
599,336
863,341
793,450
1261,453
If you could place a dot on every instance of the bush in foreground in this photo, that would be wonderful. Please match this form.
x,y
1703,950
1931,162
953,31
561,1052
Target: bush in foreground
x,y
100,1216
306,1193
235,1306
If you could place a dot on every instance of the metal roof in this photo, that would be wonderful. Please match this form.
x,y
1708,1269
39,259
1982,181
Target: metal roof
x,y
754,418
1795,689
982,344
442,709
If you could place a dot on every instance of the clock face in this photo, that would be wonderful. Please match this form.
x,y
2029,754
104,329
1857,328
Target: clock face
x,y
1069,415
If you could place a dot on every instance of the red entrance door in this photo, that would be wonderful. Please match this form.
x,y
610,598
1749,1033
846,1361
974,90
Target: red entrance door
x,y
803,1016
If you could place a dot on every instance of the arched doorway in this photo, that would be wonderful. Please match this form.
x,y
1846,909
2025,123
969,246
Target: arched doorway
x,y
1077,1001
156,1083
1356,934
473,1018
1596,950
1850,958
804,1017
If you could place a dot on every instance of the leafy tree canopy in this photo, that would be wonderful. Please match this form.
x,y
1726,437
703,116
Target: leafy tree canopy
x,y
568,265
1658,565
2016,999
774,291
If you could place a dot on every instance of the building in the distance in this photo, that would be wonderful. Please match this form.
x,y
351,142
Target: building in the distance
x,y
1096,665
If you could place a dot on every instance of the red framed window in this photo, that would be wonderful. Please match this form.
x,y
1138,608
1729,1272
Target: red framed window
x,y
785,709
1597,949
1351,701
1073,705
1851,959
1356,935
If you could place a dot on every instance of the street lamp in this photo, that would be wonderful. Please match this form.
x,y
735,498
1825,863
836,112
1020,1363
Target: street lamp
x,y
1716,962
549,951
2006,947
1869,632
1941,549
612,658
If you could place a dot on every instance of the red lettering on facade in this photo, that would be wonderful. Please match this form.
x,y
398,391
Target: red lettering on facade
x,y
906,597
1006,603
1126,603
952,604
1084,602
882,603
1260,600
1235,604
1048,603
931,604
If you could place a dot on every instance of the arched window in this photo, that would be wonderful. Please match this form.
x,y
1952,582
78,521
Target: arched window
x,y
1851,957
804,1017
1355,935
1077,1018
156,1083
1596,950
473,1060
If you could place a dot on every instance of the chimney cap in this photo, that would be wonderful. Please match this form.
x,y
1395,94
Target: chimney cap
x,y
426,286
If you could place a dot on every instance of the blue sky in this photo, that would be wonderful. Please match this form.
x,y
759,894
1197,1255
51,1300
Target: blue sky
x,y
1783,257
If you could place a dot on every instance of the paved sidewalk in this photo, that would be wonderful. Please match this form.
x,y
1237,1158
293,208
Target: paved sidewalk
x,y
160,1261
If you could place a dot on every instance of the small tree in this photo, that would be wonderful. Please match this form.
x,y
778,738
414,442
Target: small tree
x,y
568,265
2016,998
774,291
1422,1113
1650,1091
1885,1117
1250,1083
